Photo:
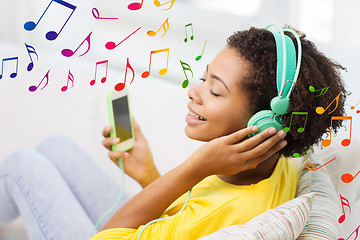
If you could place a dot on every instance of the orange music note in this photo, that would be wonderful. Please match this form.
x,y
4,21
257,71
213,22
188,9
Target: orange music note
x,y
344,142
347,177
200,56
71,78
158,4
52,35
96,14
313,168
34,88
121,86
323,90
112,45
165,26
356,231
342,217
192,32
162,71
353,107
321,110
135,5
69,52
186,66
300,129
92,82
31,49
14,74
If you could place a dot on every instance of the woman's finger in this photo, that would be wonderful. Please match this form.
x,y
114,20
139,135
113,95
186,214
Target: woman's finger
x,y
241,134
256,140
137,129
106,131
114,156
107,142
265,146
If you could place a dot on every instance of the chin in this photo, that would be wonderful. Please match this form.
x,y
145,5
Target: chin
x,y
196,135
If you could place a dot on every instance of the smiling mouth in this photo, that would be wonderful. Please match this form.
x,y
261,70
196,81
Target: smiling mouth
x,y
197,117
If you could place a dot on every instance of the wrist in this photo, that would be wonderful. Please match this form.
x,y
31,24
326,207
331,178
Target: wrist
x,y
152,175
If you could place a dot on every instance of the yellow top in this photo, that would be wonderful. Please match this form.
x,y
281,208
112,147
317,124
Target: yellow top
x,y
215,204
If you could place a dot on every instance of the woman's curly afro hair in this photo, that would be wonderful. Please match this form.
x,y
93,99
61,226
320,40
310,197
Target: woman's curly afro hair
x,y
258,47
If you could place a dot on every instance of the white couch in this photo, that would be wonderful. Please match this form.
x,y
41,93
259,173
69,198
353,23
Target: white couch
x,y
80,113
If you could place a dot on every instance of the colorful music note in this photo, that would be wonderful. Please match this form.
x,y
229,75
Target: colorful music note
x,y
353,107
323,90
71,78
356,231
313,168
112,45
135,5
162,71
344,142
347,177
51,35
186,66
14,74
342,217
300,129
31,49
192,32
321,110
34,88
121,86
92,82
157,3
96,14
296,155
70,53
200,56
165,26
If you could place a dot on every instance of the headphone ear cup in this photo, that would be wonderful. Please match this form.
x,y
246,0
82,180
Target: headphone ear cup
x,y
264,120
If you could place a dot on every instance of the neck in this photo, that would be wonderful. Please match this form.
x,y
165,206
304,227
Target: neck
x,y
252,176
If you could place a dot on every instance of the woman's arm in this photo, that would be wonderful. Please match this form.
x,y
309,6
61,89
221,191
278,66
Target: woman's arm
x,y
223,155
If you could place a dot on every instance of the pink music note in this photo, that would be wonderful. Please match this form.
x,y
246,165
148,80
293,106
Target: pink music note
x,y
353,107
200,56
345,202
135,5
92,82
165,26
70,78
356,231
34,88
31,49
158,4
112,45
121,86
186,66
162,71
323,90
14,74
346,141
321,110
347,177
69,52
313,168
96,14
51,35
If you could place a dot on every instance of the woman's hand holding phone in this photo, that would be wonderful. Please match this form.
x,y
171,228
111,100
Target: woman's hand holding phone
x,y
138,161
231,154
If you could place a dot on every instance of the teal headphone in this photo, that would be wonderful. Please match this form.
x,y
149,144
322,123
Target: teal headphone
x,y
287,73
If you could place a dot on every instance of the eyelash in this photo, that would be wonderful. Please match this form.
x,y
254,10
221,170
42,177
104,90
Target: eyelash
x,y
215,94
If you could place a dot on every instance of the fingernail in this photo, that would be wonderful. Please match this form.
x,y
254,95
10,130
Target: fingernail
x,y
254,128
115,140
272,131
283,143
282,134
125,154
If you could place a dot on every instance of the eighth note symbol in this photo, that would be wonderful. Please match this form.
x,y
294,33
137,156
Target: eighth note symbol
x,y
321,110
342,217
353,107
192,32
69,52
300,129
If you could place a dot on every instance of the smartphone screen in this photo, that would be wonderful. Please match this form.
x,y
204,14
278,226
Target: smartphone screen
x,y
122,118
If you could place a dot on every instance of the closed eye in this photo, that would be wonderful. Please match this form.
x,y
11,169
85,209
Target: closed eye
x,y
211,91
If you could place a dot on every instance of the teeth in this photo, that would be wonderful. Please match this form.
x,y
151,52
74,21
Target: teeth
x,y
193,115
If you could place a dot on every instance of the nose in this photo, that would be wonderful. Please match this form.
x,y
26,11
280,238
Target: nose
x,y
194,95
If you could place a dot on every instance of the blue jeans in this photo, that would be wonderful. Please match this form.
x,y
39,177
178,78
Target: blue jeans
x,y
58,189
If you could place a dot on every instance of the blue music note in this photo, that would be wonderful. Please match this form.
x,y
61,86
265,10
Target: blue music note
x,y
14,74
51,35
